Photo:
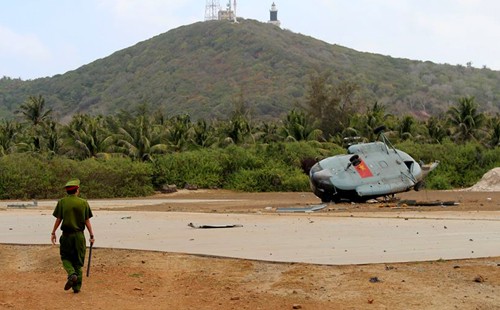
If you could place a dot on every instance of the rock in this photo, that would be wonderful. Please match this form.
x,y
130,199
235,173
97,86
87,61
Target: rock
x,y
296,306
374,280
166,189
190,187
479,279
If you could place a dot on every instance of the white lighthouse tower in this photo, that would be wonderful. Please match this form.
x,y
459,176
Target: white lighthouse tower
x,y
274,16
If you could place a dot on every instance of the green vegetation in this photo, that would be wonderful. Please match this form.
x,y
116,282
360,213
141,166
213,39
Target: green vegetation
x,y
32,176
240,107
132,154
201,69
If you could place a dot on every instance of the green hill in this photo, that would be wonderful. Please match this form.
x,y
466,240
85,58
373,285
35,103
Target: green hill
x,y
203,69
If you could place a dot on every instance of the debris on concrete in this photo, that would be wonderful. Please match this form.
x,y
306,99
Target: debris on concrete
x,y
214,226
427,203
23,205
312,208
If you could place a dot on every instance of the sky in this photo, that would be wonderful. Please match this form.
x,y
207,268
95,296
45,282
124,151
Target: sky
x,y
40,38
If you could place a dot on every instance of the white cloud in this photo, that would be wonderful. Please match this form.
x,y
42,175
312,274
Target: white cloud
x,y
17,45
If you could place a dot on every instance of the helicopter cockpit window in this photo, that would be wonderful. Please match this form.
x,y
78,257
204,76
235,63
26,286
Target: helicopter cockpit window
x,y
383,164
409,164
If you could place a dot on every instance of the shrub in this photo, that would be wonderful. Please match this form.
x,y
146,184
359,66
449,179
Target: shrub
x,y
260,167
114,177
27,176
203,168
274,176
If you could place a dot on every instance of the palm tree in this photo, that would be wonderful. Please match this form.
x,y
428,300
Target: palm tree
x,y
54,142
298,127
140,140
405,128
436,130
8,135
88,137
365,124
494,125
267,132
203,134
33,110
236,130
178,132
466,120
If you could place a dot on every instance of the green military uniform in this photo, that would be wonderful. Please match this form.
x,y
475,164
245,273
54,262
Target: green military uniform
x,y
73,211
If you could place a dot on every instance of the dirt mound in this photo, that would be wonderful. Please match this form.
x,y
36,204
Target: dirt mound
x,y
490,182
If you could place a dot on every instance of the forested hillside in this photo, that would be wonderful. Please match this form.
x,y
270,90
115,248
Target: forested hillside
x,y
207,68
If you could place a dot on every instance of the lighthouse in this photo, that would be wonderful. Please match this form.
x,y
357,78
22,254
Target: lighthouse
x,y
274,16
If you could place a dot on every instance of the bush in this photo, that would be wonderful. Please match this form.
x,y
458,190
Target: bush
x,y
261,167
274,167
293,153
439,182
202,168
274,176
115,177
26,176
460,165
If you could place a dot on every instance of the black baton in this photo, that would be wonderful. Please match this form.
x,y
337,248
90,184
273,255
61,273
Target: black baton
x,y
90,256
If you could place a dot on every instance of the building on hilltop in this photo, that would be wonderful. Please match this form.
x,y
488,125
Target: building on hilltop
x,y
229,13
213,11
274,16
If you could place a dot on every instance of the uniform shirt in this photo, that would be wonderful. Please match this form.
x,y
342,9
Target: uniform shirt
x,y
73,211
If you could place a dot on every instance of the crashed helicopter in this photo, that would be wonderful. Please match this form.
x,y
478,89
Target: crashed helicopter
x,y
368,171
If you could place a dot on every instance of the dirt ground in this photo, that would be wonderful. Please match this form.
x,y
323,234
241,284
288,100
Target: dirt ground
x,y
31,277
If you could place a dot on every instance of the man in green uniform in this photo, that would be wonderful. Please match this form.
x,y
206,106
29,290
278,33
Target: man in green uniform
x,y
74,213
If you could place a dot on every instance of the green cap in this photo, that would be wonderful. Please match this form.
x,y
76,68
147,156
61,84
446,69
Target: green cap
x,y
72,182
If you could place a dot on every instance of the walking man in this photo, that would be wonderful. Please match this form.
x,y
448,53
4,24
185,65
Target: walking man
x,y
74,213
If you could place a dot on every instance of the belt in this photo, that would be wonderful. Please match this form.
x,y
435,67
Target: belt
x,y
68,233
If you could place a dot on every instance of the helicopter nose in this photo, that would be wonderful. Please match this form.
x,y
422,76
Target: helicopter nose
x,y
322,177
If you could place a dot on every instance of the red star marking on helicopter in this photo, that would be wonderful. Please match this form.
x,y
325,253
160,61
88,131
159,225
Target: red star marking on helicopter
x,y
363,170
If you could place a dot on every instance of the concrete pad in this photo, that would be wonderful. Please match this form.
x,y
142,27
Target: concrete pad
x,y
303,238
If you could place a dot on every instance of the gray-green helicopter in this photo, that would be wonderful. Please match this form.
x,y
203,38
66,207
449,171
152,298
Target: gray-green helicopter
x,y
368,171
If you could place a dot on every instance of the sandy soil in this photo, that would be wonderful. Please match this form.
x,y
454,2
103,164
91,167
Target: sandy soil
x,y
32,276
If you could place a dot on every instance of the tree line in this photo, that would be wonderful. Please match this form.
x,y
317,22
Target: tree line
x,y
330,115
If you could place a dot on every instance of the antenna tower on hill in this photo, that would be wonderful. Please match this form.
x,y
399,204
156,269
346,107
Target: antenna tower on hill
x,y
212,10
234,16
